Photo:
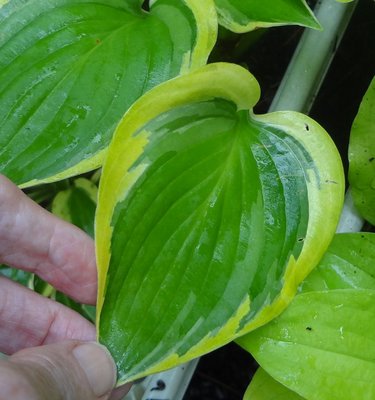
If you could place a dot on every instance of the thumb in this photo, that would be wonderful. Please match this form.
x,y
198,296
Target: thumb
x,y
69,370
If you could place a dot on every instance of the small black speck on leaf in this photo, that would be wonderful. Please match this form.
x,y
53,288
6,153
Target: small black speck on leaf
x,y
371,159
308,328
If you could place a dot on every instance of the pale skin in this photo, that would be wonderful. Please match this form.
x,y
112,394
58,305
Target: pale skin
x,y
49,357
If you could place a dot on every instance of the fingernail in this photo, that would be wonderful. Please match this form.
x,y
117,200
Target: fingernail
x,y
98,366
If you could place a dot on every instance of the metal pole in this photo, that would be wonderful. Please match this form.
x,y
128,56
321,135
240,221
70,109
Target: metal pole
x,y
312,58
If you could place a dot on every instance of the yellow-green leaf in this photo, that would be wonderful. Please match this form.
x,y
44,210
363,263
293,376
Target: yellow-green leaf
x,y
349,263
322,345
264,387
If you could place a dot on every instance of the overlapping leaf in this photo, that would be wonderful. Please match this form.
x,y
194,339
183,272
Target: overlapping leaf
x,y
69,69
362,156
209,221
322,346
349,263
246,15
264,387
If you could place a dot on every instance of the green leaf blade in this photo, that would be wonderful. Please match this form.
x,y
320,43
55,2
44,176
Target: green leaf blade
x,y
163,235
60,97
200,237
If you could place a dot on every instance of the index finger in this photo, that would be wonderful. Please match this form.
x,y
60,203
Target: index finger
x,y
34,240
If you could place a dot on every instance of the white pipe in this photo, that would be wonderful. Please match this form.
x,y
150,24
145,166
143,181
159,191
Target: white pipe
x,y
312,58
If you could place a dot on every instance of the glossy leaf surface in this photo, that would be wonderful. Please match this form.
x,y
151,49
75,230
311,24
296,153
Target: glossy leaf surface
x,y
264,387
362,156
243,16
69,69
322,345
208,223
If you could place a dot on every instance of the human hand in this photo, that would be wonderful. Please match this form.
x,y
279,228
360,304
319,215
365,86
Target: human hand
x,y
50,357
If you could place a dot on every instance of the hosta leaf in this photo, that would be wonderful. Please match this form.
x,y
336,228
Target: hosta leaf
x,y
322,346
77,205
349,263
246,15
362,156
69,69
264,387
210,220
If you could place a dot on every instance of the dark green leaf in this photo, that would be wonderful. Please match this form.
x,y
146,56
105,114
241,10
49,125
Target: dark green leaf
x,y
69,69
